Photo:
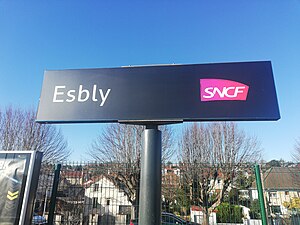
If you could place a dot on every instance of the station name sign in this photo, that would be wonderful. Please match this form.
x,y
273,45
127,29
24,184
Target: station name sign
x,y
146,94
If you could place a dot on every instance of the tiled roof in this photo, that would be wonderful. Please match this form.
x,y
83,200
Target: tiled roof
x,y
281,178
72,174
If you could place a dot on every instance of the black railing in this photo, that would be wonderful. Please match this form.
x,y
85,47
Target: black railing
x,y
97,193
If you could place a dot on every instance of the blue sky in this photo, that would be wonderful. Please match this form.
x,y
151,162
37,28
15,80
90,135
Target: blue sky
x,y
40,35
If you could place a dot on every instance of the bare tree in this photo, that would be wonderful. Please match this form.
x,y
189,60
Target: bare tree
x,y
121,145
296,153
19,131
210,155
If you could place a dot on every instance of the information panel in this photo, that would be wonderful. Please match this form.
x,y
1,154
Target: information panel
x,y
199,92
16,172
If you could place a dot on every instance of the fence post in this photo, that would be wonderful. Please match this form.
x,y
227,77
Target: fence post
x,y
54,193
260,195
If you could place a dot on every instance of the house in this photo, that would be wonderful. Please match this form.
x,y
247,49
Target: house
x,y
106,203
197,215
170,187
171,178
171,168
74,177
281,184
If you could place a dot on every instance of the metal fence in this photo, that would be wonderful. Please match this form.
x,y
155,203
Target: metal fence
x,y
107,194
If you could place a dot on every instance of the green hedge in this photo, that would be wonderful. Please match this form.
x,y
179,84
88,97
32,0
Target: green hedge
x,y
227,213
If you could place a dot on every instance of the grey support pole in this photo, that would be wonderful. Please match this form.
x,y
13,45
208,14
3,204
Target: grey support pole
x,y
150,184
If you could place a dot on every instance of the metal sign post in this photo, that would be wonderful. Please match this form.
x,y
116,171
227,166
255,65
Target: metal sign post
x,y
150,185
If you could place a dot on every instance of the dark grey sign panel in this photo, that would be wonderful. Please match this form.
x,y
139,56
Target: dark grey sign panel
x,y
18,182
200,92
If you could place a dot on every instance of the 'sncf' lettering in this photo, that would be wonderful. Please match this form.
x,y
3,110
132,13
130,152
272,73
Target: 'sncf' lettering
x,y
222,90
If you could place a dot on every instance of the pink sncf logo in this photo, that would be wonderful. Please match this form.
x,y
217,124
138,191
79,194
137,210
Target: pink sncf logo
x,y
222,90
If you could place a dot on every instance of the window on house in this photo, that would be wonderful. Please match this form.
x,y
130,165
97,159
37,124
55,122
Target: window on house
x,y
275,209
124,209
273,194
95,202
96,187
107,201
